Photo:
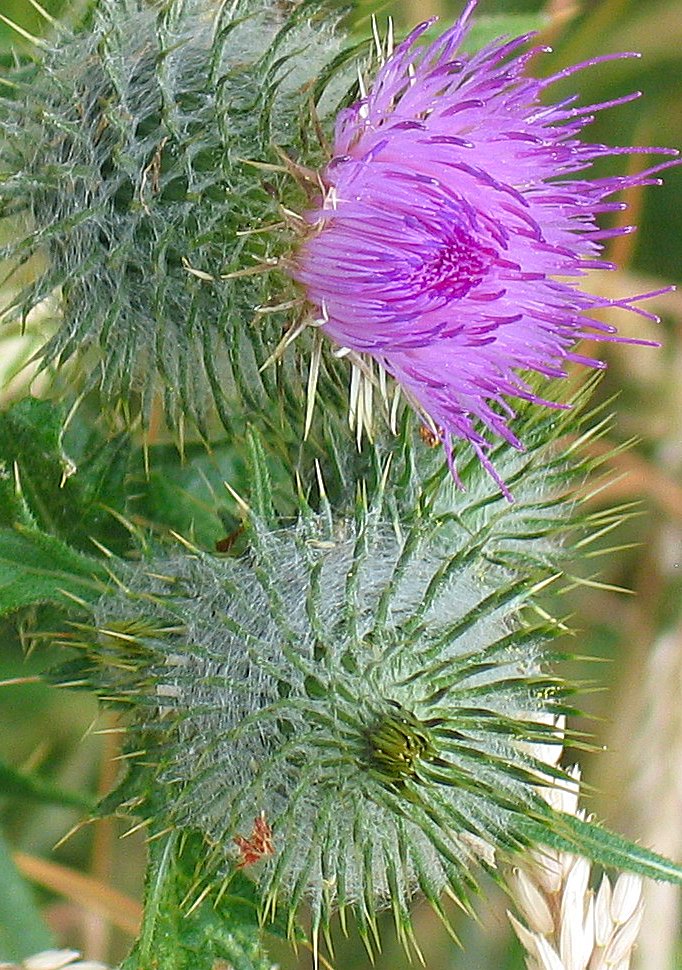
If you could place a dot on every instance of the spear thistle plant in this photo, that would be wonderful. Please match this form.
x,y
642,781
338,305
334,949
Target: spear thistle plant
x,y
359,709
336,674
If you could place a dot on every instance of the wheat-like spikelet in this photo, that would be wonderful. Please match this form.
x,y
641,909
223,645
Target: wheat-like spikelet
x,y
567,926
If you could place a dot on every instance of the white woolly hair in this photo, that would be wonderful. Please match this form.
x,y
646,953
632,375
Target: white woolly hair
x,y
288,678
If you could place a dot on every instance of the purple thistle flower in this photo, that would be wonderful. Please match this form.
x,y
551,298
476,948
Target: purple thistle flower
x,y
456,216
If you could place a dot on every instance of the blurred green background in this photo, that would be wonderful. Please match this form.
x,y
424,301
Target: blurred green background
x,y
89,887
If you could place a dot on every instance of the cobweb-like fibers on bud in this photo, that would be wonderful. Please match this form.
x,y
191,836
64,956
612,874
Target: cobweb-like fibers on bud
x,y
366,693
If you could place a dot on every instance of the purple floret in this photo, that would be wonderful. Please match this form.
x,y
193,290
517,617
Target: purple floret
x,y
456,216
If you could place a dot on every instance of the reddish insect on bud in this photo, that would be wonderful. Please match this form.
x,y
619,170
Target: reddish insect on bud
x,y
259,844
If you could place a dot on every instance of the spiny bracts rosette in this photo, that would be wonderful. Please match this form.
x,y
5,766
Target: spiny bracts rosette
x,y
358,709
129,159
358,699
456,222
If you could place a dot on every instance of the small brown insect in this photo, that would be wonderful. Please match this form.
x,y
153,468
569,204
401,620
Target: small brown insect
x,y
428,436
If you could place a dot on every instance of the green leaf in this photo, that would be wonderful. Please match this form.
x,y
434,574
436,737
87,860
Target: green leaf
x,y
177,935
189,496
38,568
66,499
571,834
22,785
22,931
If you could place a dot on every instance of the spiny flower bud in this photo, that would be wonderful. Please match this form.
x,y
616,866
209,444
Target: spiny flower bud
x,y
137,163
351,711
366,697
357,708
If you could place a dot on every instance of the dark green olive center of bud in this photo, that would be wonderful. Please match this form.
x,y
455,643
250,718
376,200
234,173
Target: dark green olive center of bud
x,y
398,742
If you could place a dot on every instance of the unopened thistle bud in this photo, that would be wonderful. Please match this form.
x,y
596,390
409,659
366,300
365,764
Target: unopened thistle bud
x,y
342,714
137,165
358,709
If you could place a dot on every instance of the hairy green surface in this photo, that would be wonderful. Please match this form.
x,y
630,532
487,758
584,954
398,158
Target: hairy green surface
x,y
149,144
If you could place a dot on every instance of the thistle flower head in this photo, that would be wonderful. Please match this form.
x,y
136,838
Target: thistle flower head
x,y
329,718
358,709
456,222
